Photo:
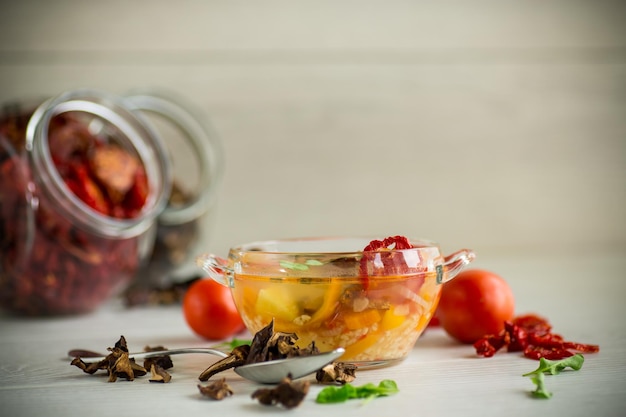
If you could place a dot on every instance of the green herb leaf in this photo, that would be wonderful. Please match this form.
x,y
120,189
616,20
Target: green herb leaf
x,y
540,391
348,391
293,265
233,343
547,366
555,367
336,394
297,266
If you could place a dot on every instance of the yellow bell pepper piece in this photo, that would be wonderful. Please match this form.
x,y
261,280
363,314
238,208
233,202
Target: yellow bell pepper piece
x,y
360,346
329,303
362,319
391,320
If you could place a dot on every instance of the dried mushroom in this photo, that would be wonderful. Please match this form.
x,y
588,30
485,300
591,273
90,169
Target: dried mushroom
x,y
117,363
83,353
217,390
266,345
159,374
287,393
237,357
163,361
336,373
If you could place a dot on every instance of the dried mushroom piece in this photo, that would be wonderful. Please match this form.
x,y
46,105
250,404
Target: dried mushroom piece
x,y
336,373
217,390
90,368
237,357
84,353
159,374
126,368
266,346
287,393
259,343
163,361
117,363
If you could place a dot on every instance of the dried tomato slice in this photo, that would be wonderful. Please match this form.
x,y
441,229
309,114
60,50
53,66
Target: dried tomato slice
x,y
533,324
581,347
538,352
81,184
383,252
389,243
531,335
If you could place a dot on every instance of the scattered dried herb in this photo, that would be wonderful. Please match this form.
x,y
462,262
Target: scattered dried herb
x,y
347,392
116,363
533,336
159,374
336,373
552,367
287,393
217,390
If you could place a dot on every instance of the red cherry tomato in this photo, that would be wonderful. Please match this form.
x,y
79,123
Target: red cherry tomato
x,y
474,304
210,311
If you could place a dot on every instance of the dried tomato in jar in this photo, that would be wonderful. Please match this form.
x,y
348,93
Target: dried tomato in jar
x,y
82,181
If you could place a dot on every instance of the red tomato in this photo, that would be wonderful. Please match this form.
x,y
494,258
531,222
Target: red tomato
x,y
210,311
475,304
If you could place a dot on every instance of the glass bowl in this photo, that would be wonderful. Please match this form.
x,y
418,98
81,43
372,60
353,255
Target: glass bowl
x,y
373,303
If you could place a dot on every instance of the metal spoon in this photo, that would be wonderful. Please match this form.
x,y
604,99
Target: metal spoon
x,y
268,372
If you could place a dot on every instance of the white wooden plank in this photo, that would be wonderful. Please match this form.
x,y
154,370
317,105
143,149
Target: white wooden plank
x,y
504,136
439,378
282,24
490,157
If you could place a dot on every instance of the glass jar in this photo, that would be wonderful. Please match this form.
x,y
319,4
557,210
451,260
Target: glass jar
x,y
82,181
197,167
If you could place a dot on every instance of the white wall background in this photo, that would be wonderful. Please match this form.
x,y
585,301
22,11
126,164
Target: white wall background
x,y
497,125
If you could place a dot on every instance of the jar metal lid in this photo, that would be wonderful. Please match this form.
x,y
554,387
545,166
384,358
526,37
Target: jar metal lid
x,y
108,111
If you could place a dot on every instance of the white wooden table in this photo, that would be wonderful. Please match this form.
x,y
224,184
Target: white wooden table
x,y
582,297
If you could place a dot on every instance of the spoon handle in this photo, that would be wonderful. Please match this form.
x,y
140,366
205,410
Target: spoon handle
x,y
179,351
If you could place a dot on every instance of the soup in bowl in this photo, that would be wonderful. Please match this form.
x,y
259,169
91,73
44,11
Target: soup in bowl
x,y
373,297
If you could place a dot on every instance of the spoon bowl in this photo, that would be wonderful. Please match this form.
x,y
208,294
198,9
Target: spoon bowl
x,y
267,372
271,372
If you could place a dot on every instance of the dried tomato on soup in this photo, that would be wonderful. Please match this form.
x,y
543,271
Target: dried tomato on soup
x,y
381,257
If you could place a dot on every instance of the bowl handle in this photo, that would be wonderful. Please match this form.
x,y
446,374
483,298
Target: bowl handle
x,y
217,268
455,262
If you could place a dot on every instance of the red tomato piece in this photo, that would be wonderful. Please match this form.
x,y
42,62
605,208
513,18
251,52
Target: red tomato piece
x,y
475,304
210,311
